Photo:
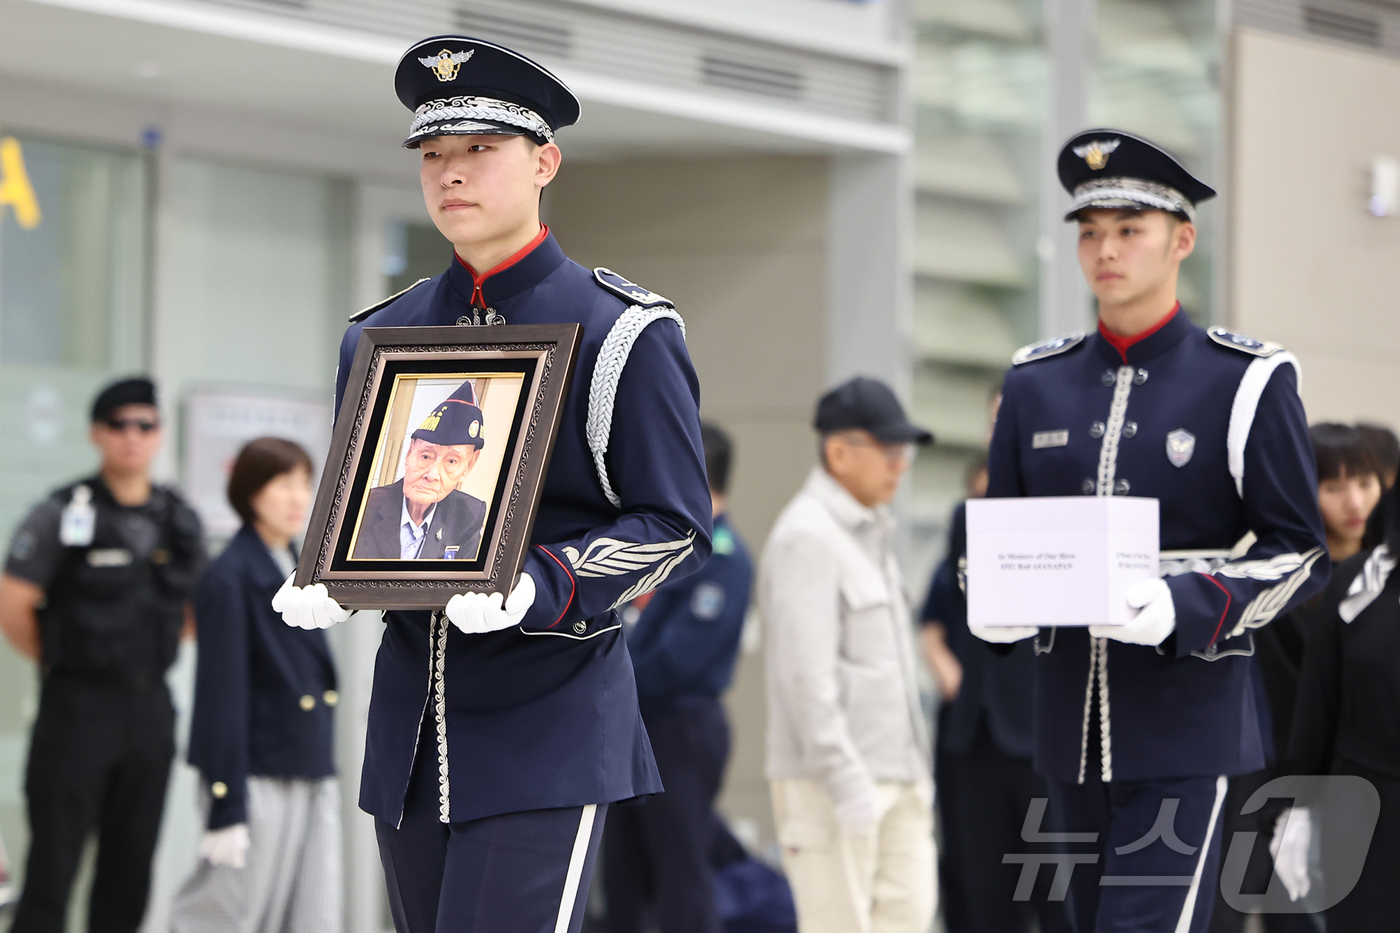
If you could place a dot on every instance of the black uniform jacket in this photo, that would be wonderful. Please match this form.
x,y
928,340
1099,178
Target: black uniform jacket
x,y
1210,425
457,521
545,714
263,690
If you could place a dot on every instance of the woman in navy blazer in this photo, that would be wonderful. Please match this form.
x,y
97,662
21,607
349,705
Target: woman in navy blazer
x,y
261,735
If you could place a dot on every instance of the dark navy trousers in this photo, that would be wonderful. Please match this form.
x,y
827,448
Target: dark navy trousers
x,y
1153,863
656,859
520,872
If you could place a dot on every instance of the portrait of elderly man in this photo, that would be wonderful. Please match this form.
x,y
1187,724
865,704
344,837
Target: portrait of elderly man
x,y
424,516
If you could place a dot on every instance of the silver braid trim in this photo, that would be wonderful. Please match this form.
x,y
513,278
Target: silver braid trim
x,y
1088,701
439,650
1105,739
1113,431
607,372
478,108
1138,190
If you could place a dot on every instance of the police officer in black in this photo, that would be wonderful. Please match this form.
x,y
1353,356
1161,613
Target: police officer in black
x,y
95,590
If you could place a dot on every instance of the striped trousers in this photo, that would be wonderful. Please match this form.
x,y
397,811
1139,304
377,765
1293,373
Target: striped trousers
x,y
292,882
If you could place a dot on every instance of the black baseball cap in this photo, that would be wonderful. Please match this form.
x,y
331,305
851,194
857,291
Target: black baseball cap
x,y
870,405
134,391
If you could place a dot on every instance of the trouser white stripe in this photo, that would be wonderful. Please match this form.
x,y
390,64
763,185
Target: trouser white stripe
x,y
1183,923
576,860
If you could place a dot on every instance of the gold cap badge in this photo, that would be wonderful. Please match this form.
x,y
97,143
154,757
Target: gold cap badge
x,y
1096,153
430,423
447,63
474,429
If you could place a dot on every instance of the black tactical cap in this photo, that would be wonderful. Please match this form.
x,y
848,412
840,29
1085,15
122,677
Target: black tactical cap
x,y
1111,169
456,421
871,405
460,86
134,391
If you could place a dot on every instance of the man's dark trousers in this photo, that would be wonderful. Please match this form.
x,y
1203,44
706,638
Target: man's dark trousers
x,y
984,795
656,855
519,872
1156,863
99,761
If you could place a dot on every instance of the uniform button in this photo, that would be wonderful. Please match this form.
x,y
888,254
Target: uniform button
x,y
1096,430
219,789
330,698
307,703
1139,377
1088,487
1109,377
1129,429
1212,651
580,628
1121,487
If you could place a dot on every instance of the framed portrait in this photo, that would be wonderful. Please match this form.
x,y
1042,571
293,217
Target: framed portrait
x,y
437,463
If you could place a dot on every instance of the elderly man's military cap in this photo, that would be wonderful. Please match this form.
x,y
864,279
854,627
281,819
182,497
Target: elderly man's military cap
x,y
456,421
1111,169
460,86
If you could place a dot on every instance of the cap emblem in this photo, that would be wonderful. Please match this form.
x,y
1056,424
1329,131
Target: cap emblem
x,y
1096,153
447,63
430,423
474,429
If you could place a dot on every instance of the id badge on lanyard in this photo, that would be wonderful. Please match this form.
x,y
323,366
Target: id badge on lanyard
x,y
79,520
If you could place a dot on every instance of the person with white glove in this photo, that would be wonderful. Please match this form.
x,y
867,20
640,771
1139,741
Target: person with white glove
x,y
263,727
849,762
1162,710
1289,846
514,713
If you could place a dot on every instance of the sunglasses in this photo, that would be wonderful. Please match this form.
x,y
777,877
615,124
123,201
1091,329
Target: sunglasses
x,y
122,425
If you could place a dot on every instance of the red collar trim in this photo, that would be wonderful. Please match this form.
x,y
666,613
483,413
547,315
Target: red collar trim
x,y
1121,344
477,298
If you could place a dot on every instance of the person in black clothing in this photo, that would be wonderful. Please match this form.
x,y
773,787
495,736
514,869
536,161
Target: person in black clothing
x,y
1349,486
1347,722
684,642
982,762
262,730
96,589
1385,447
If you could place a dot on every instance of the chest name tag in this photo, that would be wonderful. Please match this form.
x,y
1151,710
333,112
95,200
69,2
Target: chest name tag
x,y
1049,439
109,557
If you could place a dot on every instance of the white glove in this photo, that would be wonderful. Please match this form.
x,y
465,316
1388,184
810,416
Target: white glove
x,y
1003,634
479,613
1289,847
309,607
856,814
227,845
1155,620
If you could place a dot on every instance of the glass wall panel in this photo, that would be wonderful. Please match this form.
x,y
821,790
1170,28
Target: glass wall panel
x,y
1158,75
71,318
980,98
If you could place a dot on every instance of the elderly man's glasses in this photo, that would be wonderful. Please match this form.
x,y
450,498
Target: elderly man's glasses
x,y
895,453
122,425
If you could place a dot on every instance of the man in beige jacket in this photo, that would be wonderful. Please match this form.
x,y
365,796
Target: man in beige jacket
x,y
848,750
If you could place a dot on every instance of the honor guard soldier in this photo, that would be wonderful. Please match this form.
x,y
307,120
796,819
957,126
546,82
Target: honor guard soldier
x,y
1138,726
499,733
96,590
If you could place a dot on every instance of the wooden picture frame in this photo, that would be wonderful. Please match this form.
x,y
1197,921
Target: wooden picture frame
x,y
387,533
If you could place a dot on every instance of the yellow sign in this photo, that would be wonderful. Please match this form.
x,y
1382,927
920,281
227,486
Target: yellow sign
x,y
15,189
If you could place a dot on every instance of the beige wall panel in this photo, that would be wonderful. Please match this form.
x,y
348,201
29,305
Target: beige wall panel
x,y
740,245
1311,268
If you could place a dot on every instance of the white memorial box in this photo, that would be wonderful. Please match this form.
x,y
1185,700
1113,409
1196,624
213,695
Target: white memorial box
x,y
1058,560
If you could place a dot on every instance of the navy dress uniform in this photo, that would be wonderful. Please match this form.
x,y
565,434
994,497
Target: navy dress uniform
x,y
684,645
527,734
1211,425
116,585
262,737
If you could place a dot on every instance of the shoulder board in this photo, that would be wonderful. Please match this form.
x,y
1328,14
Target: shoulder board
x,y
1047,348
630,292
1242,343
360,315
